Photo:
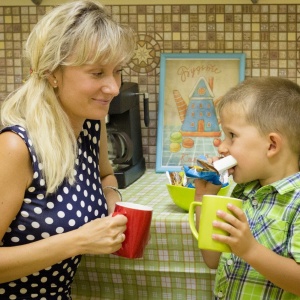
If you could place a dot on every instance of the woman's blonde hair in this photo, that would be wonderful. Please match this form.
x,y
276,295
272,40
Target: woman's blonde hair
x,y
73,34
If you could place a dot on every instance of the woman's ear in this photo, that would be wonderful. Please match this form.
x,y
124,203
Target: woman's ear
x,y
275,143
52,80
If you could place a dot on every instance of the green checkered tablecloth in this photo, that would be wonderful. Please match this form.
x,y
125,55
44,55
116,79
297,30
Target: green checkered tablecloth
x,y
172,266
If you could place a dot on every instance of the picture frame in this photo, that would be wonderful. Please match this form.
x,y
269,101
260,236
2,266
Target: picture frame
x,y
191,84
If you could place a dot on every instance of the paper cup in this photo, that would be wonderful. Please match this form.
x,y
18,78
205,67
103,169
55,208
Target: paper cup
x,y
209,206
137,232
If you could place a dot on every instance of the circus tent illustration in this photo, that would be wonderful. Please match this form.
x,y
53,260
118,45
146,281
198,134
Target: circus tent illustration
x,y
199,117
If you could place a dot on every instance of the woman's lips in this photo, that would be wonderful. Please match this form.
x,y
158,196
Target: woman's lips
x,y
102,101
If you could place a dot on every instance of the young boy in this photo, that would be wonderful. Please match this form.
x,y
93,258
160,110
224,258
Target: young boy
x,y
261,121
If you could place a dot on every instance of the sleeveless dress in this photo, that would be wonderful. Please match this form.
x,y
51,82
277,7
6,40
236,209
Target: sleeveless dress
x,y
40,217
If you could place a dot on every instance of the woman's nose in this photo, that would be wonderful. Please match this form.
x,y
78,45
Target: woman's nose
x,y
112,86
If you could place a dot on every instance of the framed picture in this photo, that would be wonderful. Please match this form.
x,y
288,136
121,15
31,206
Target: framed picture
x,y
191,85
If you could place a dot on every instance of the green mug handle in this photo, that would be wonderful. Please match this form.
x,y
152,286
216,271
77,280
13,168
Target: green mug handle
x,y
191,218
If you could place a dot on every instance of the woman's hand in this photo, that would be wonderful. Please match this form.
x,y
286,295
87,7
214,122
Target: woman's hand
x,y
103,235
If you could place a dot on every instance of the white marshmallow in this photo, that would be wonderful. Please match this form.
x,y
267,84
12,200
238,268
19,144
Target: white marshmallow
x,y
225,163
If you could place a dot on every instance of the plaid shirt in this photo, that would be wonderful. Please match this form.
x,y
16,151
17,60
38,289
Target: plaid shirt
x,y
273,214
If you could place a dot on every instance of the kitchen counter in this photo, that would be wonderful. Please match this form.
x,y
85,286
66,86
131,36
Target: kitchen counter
x,y
172,266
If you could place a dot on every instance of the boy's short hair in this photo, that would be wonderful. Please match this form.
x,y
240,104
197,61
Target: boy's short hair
x,y
272,104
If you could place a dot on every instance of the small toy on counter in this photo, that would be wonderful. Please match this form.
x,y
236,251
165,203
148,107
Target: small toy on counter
x,y
177,178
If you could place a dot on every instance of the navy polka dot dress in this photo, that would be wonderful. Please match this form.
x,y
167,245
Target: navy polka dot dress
x,y
40,217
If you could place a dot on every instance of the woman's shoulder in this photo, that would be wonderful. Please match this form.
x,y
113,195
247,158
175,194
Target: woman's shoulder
x,y
15,160
15,169
14,135
12,143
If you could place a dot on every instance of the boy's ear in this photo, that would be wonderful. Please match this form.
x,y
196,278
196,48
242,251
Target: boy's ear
x,y
275,143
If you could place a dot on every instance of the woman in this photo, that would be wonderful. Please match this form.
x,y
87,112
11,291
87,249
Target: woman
x,y
57,187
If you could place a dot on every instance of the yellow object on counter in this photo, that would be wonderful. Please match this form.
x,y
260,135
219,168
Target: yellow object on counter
x,y
184,196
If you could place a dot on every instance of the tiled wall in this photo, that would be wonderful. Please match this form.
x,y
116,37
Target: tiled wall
x,y
267,34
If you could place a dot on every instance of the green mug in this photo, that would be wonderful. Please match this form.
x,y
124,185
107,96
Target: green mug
x,y
209,206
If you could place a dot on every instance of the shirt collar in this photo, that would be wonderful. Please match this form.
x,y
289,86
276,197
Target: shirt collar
x,y
282,186
287,184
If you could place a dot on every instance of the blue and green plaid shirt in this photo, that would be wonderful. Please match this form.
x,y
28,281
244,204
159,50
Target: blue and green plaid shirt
x,y
273,214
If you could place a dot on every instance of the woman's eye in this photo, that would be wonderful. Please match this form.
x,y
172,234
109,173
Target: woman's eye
x,y
98,74
232,135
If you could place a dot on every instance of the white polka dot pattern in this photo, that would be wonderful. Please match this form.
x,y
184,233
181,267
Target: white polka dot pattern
x,y
40,216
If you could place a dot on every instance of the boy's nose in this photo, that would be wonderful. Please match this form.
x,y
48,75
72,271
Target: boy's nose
x,y
222,149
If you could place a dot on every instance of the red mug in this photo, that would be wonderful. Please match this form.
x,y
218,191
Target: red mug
x,y
137,232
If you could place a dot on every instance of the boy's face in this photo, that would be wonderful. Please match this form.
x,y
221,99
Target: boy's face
x,y
246,144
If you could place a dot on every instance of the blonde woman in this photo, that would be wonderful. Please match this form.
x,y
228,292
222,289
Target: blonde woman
x,y
57,188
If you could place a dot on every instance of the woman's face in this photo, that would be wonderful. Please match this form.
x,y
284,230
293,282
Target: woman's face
x,y
85,92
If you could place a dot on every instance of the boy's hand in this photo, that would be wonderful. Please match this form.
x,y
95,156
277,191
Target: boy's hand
x,y
204,187
240,238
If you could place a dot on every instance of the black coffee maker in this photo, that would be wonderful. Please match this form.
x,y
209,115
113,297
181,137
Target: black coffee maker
x,y
124,134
